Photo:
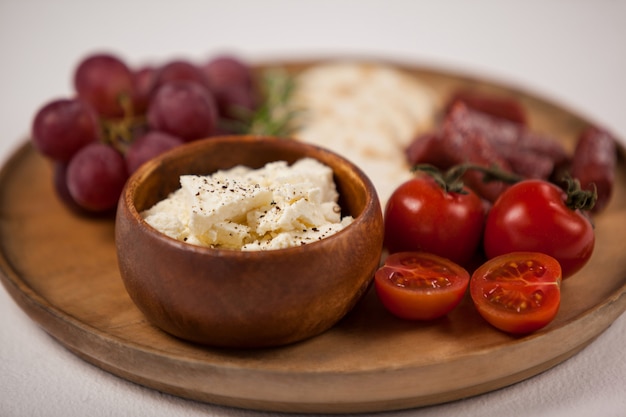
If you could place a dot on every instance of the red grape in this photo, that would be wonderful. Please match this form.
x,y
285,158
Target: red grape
x,y
149,146
233,101
59,178
64,126
180,70
144,80
103,81
123,117
227,71
232,84
96,176
184,109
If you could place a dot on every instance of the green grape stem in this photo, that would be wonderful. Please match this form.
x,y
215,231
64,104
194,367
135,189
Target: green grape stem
x,y
120,133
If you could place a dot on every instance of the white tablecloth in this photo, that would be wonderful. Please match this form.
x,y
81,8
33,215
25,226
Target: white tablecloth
x,y
572,52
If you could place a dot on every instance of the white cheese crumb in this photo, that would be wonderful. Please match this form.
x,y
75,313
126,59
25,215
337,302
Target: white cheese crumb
x,y
277,206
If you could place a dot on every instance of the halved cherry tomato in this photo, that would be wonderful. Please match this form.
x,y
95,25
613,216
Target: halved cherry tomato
x,y
519,292
420,285
532,216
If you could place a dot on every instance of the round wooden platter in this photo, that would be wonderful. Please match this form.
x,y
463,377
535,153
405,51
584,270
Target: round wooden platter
x,y
61,269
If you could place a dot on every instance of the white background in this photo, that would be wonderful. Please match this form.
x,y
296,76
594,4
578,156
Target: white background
x,y
573,52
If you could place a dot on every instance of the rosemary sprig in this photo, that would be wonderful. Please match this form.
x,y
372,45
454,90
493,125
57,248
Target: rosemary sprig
x,y
276,115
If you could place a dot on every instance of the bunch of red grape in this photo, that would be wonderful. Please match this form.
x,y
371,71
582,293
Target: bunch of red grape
x,y
121,117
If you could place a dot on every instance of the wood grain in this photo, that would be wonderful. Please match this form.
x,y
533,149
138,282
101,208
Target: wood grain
x,y
61,269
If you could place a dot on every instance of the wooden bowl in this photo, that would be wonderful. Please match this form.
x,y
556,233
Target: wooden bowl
x,y
233,298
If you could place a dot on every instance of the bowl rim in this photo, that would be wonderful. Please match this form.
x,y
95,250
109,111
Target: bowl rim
x,y
372,202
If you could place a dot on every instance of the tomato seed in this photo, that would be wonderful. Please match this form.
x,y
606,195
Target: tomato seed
x,y
514,300
398,279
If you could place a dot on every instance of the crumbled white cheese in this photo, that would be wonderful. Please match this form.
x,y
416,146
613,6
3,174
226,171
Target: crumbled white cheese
x,y
277,206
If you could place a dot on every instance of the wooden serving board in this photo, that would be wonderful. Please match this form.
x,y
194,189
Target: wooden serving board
x,y
61,269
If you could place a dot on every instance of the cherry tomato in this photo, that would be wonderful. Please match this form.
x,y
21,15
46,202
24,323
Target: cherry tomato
x,y
420,285
421,216
518,292
532,216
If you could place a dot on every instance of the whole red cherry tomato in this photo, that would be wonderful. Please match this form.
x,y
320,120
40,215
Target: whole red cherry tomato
x,y
519,292
532,216
422,216
420,285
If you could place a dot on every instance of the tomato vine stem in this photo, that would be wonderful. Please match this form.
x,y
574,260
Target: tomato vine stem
x,y
577,198
452,179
